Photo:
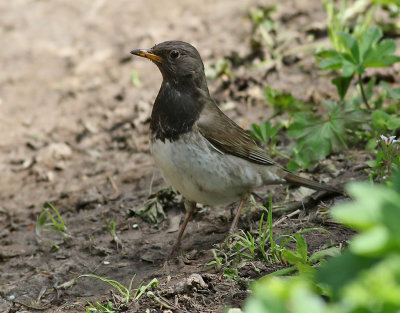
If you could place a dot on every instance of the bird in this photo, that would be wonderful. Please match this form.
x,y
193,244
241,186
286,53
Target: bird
x,y
201,152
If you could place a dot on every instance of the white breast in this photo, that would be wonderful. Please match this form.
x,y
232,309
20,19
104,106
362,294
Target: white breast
x,y
201,173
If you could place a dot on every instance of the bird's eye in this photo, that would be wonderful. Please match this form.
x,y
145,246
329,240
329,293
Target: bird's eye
x,y
174,54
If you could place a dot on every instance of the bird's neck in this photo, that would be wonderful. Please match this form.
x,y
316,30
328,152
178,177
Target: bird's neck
x,y
176,109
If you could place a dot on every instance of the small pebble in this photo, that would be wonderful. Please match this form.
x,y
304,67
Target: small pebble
x,y
106,262
135,226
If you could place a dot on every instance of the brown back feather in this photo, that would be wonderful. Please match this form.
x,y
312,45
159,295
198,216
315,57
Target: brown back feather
x,y
228,137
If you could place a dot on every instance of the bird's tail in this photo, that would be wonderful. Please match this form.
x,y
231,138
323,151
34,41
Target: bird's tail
x,y
301,181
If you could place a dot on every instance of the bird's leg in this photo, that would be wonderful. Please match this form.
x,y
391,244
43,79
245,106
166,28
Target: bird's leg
x,y
190,208
236,219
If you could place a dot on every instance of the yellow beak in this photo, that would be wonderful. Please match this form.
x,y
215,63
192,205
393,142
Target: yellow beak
x,y
147,54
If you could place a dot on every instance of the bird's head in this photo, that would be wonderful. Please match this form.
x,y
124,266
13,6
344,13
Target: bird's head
x,y
178,61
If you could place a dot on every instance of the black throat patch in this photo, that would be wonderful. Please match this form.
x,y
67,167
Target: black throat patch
x,y
175,111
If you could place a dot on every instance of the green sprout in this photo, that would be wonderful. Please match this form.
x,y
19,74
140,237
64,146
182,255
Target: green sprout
x,y
126,291
56,224
99,308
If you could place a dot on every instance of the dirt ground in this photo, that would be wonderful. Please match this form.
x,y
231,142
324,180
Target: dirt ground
x,y
74,132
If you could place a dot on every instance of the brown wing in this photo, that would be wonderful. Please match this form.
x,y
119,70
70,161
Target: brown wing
x,y
228,137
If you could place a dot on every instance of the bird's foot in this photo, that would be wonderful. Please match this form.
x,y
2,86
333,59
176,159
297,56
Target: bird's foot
x,y
175,250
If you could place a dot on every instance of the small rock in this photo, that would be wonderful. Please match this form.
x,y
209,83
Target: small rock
x,y
11,251
192,283
256,92
5,305
251,269
195,281
52,155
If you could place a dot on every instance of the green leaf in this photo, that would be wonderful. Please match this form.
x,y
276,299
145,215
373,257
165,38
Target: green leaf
x,y
361,216
387,2
334,63
393,93
256,132
341,270
369,39
282,102
230,273
265,129
318,137
342,85
373,242
351,45
301,247
293,166
366,213
292,257
395,181
327,54
322,254
264,132
379,119
121,288
391,216
371,144
380,55
282,272
348,69
42,219
393,123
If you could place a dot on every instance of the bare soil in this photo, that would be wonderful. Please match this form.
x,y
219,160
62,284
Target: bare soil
x,y
74,132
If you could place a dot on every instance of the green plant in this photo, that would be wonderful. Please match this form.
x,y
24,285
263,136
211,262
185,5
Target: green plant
x,y
267,247
246,241
248,247
358,13
358,55
98,307
282,102
113,233
384,122
334,125
218,261
335,22
365,278
319,135
126,291
263,28
218,69
230,273
299,258
56,224
393,93
387,158
265,133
